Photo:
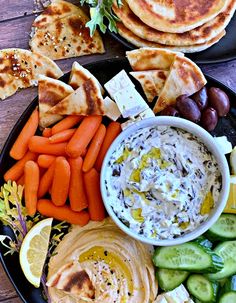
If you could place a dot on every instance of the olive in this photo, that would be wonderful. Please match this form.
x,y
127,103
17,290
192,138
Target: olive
x,y
188,108
219,101
170,111
201,98
209,119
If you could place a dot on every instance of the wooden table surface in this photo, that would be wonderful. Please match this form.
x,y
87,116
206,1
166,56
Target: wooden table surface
x,y
15,22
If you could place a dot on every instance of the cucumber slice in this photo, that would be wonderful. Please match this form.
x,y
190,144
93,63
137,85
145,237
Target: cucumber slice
x,y
189,256
227,251
223,229
169,279
204,242
229,297
230,284
202,289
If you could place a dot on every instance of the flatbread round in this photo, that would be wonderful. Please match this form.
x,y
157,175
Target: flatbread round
x,y
60,32
198,35
139,42
176,16
20,68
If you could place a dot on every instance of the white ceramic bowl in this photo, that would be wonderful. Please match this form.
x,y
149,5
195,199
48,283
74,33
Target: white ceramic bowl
x,y
208,140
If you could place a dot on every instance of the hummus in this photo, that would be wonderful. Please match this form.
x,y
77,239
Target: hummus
x,y
99,263
162,182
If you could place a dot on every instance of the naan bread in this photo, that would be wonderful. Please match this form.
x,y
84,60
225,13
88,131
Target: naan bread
x,y
185,77
198,35
86,100
20,68
152,82
60,32
79,75
139,42
176,16
50,92
147,58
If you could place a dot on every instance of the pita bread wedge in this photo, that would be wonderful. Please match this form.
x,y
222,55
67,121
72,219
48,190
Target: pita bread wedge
x,y
185,77
60,32
139,42
79,75
152,82
50,92
20,68
148,58
86,100
198,35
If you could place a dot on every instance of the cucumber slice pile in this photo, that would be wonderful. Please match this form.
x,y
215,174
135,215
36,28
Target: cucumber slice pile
x,y
207,266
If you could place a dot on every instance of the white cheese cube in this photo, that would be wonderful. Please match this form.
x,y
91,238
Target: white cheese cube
x,y
111,109
224,144
117,83
161,299
130,102
178,295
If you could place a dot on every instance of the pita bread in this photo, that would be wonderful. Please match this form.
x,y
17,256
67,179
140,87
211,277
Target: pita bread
x,y
79,75
152,82
60,32
86,100
20,68
73,279
176,16
198,35
50,92
185,77
147,58
139,42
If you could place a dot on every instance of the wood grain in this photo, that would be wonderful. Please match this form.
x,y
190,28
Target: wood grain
x,y
16,17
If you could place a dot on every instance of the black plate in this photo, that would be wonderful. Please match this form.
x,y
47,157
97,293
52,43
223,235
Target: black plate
x,y
104,71
224,50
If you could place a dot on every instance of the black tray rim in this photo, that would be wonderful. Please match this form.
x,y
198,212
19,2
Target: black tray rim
x,y
33,104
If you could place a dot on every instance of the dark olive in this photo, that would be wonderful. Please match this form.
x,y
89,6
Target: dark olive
x,y
188,108
209,119
219,101
201,98
170,111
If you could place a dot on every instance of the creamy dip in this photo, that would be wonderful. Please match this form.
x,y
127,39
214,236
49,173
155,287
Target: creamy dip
x,y
162,182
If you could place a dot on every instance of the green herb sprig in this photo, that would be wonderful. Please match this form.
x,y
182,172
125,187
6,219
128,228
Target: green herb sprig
x,y
100,11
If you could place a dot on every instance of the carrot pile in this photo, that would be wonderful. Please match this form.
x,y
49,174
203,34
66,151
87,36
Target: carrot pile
x,y
60,170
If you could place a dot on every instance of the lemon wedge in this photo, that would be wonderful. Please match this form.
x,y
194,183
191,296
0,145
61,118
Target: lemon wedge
x,y
231,203
34,250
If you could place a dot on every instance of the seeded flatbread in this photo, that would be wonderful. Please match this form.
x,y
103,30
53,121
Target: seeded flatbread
x,y
60,32
50,92
20,68
139,42
185,77
198,35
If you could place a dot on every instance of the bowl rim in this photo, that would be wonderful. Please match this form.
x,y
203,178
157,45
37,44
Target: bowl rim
x,y
211,144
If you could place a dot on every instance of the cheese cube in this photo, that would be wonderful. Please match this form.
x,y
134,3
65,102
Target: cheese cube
x,y
111,109
161,299
148,113
117,83
130,102
178,295
224,144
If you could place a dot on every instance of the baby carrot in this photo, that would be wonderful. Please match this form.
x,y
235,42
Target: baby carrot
x,y
31,172
45,161
83,136
62,136
61,181
46,181
21,180
77,196
17,170
94,148
84,153
113,131
47,132
95,203
20,146
63,213
42,145
66,123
